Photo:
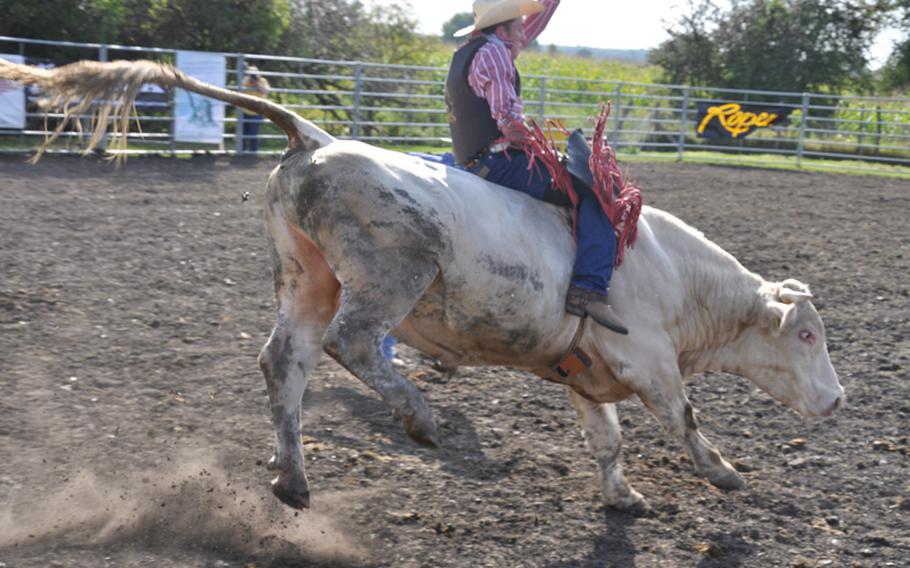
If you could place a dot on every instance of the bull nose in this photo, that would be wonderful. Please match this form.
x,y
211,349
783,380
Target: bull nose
x,y
838,402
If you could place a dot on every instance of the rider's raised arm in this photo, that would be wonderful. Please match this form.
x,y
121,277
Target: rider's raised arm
x,y
536,23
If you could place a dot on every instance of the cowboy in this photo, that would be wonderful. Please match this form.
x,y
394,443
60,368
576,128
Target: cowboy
x,y
483,95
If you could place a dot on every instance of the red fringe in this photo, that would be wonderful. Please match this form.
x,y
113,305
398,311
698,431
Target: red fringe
x,y
623,211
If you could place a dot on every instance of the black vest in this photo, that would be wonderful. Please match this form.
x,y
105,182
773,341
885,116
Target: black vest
x,y
470,121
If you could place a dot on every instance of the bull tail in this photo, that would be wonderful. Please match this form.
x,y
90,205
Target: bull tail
x,y
112,88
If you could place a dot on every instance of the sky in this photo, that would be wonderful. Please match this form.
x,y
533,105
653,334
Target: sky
x,y
631,24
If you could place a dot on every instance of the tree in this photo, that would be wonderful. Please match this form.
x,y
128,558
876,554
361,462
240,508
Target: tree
x,y
690,55
65,20
782,45
896,72
250,26
455,23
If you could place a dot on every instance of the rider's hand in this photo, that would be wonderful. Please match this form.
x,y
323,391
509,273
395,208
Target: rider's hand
x,y
515,132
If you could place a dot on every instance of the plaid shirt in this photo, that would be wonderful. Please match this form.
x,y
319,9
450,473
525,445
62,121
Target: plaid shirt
x,y
492,73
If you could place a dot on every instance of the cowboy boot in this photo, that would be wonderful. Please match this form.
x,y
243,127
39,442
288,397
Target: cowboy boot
x,y
582,302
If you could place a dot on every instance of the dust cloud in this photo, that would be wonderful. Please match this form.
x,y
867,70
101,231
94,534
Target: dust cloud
x,y
191,506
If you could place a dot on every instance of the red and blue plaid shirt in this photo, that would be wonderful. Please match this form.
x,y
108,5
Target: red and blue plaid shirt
x,y
492,73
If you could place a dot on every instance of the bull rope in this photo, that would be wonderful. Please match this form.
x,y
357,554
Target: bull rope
x,y
623,210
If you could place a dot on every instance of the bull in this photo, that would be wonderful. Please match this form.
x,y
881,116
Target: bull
x,y
366,242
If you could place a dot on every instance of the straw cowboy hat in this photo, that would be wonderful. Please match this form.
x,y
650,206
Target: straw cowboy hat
x,y
491,12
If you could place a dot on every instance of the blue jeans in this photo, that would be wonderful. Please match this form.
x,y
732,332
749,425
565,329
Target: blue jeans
x,y
446,159
388,346
594,232
251,124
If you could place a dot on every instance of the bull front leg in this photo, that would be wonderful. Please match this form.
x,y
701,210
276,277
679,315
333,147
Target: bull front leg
x,y
665,397
604,438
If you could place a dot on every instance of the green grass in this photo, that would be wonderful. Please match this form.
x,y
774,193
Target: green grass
x,y
771,161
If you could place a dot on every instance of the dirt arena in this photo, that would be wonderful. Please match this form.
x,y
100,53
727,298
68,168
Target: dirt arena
x,y
134,424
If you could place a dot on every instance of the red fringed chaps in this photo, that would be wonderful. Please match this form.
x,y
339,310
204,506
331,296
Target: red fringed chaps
x,y
623,211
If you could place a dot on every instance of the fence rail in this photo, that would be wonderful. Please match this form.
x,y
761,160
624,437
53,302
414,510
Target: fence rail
x,y
402,104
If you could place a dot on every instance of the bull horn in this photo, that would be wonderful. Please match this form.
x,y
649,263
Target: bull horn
x,y
788,296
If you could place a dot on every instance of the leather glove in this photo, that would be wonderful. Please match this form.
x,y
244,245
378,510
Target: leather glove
x,y
515,132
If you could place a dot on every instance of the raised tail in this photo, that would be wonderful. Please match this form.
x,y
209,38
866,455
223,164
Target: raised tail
x,y
109,90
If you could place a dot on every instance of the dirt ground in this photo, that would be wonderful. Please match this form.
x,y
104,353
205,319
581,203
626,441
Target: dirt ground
x,y
134,423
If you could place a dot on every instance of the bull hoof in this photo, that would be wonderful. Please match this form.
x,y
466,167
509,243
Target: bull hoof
x,y
418,419
633,504
295,497
728,481
641,510
422,429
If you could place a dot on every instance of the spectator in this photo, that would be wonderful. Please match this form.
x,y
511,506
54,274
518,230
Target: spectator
x,y
256,85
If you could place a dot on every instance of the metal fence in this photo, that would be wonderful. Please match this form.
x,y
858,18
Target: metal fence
x,y
403,106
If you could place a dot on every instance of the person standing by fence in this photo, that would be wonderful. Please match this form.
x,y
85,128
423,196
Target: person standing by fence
x,y
256,85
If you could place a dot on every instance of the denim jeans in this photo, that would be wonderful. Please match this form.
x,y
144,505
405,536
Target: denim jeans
x,y
594,232
251,124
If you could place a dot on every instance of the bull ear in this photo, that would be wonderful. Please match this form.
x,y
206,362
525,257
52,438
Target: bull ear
x,y
793,291
781,315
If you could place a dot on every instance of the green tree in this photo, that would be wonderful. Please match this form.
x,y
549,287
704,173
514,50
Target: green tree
x,y
344,30
455,23
784,45
690,55
251,26
896,72
65,20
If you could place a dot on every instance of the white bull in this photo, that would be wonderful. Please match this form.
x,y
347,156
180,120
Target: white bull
x,y
366,241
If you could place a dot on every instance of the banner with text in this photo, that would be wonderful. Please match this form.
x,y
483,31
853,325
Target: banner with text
x,y
736,120
12,99
197,118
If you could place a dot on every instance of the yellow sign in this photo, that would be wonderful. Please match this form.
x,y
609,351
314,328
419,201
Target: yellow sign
x,y
735,120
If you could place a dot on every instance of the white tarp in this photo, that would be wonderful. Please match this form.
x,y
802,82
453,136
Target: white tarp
x,y
12,99
198,118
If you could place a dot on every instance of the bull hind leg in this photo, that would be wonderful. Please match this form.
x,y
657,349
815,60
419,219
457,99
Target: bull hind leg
x,y
604,438
305,289
377,294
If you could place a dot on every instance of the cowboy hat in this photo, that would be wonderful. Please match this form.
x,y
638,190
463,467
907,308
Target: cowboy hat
x,y
491,12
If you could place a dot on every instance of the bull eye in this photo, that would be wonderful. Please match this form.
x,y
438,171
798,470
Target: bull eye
x,y
807,336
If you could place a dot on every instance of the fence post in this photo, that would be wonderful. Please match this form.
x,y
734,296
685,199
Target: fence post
x,y
22,132
617,115
543,99
802,130
102,57
358,91
878,129
238,126
680,145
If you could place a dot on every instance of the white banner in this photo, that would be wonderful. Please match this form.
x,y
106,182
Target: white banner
x,y
12,99
198,118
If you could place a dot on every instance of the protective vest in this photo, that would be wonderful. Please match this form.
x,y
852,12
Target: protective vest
x,y
470,120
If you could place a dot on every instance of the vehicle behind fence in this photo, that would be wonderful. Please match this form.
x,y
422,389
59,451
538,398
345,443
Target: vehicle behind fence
x,y
403,106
